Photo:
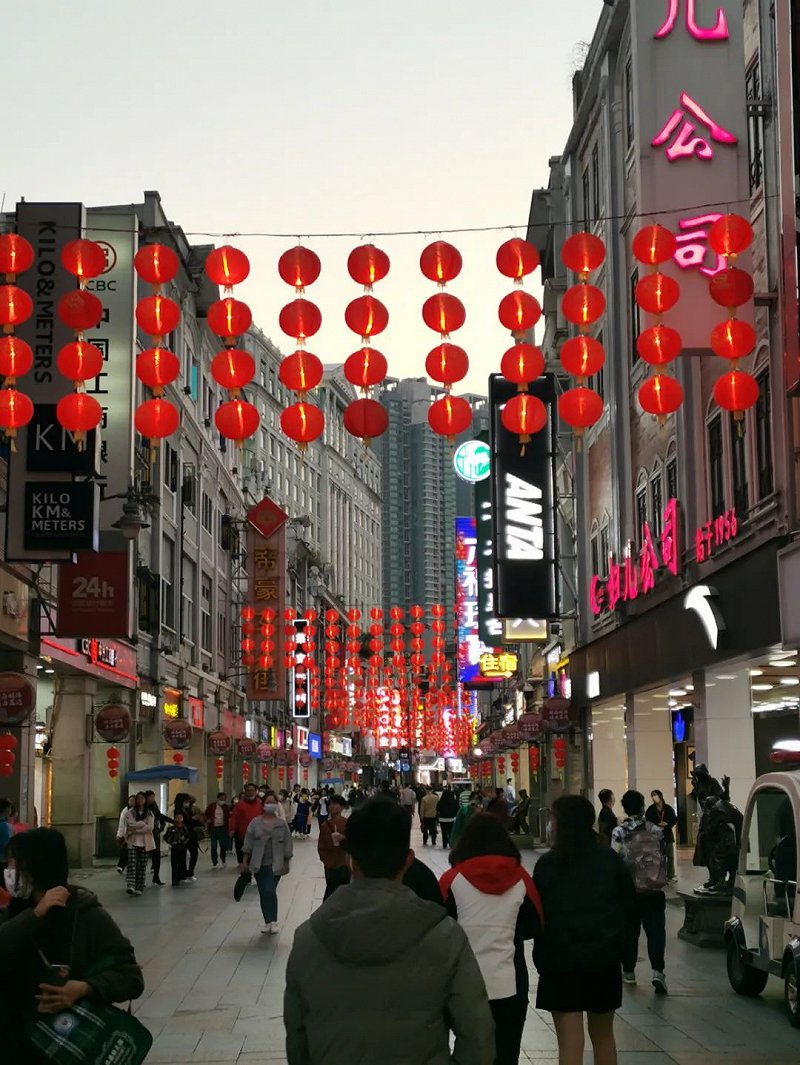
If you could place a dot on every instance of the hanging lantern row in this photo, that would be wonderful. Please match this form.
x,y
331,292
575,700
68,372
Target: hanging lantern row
x,y
521,364
301,371
735,391
157,367
16,356
8,758
582,305
366,368
656,293
447,363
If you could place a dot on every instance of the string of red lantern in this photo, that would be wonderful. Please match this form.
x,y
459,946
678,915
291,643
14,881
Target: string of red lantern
x,y
521,364
156,366
301,371
366,368
16,356
731,288
582,356
658,345
447,363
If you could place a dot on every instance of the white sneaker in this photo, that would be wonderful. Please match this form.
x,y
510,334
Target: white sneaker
x,y
273,928
628,978
192,879
137,892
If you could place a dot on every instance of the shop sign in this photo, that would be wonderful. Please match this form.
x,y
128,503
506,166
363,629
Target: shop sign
x,y
504,664
715,534
148,704
556,714
523,509
279,740
233,724
299,672
470,645
17,698
95,657
266,596
196,711
636,576
177,734
113,723
264,752
246,748
60,517
51,448
315,744
301,738
219,743
702,600
472,461
305,759
173,700
99,654
93,595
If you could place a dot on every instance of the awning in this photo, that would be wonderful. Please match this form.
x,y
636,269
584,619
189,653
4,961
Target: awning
x,y
164,772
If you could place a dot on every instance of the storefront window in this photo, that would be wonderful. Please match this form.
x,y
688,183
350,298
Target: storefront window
x,y
764,437
716,467
741,494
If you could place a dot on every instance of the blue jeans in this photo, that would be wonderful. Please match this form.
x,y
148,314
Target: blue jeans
x,y
219,841
267,883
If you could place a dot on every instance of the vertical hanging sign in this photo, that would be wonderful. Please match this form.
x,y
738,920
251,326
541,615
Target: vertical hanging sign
x,y
266,598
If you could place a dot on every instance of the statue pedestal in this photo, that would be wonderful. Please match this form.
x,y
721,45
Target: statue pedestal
x,y
704,918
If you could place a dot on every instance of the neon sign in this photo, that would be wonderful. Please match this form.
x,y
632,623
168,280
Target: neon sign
x,y
717,32
714,534
688,142
470,646
693,248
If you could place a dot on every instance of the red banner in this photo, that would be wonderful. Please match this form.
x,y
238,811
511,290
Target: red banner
x,y
93,595
266,600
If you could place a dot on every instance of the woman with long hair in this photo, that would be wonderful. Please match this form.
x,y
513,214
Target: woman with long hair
x,y
139,824
496,903
588,899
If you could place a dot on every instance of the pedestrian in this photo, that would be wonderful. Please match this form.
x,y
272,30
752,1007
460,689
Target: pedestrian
x,y
193,822
641,846
663,815
267,851
139,823
427,815
446,812
332,848
408,798
302,815
58,946
248,807
177,837
498,807
320,808
519,818
588,899
217,819
159,820
469,803
496,903
371,936
122,861
511,795
606,819
6,831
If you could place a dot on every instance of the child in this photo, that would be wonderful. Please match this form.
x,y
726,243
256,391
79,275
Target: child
x,y
177,836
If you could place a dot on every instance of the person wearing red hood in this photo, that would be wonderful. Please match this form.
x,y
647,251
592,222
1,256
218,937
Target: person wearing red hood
x,y
247,809
496,903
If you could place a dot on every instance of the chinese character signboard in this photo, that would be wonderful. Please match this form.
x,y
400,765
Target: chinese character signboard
x,y
490,627
691,122
470,645
715,534
504,664
266,595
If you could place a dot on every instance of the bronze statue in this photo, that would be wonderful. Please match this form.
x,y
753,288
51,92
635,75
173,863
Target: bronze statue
x,y
719,836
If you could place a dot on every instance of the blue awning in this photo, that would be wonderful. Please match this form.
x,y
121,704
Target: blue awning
x,y
164,772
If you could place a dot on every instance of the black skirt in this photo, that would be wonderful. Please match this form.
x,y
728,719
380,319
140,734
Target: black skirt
x,y
581,991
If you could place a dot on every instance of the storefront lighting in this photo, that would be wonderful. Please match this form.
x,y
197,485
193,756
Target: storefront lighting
x,y
676,692
756,672
40,667
477,752
763,687
49,671
786,745
726,676
782,663
790,682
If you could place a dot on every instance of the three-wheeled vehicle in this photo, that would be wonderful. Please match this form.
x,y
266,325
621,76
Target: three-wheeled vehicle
x,y
763,933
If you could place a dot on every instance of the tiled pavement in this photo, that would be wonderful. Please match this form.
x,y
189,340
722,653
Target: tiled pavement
x,y
214,985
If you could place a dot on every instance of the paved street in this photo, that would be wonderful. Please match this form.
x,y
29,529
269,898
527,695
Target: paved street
x,y
214,985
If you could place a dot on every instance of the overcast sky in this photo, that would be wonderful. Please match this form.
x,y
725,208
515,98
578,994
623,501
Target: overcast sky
x,y
257,116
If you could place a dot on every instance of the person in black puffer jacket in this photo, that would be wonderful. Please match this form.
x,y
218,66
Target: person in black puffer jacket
x,y
588,900
447,811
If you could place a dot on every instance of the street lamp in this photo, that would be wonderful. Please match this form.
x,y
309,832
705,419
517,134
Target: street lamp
x,y
134,516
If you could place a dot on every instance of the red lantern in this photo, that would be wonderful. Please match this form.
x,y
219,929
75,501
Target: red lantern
x,y
157,367
659,345
443,313
157,315
16,255
730,235
517,258
79,310
580,408
80,361
237,420
233,368
303,423
522,364
583,304
299,267
84,259
660,395
365,418
365,368
156,264
524,415
227,266
447,363
733,339
16,306
79,414
16,410
519,311
657,293
450,416
731,288
300,319
654,245
736,392
440,262
16,358
301,371
582,356
582,253
367,264
229,318
156,418
366,316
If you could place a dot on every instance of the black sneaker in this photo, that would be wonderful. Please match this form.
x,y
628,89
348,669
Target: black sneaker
x,y
242,880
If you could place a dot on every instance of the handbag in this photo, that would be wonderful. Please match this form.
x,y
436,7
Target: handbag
x,y
87,1034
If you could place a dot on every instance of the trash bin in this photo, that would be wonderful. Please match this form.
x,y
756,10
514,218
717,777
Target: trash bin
x,y
105,837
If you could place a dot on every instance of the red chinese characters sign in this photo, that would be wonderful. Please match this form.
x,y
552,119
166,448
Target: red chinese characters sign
x,y
715,534
262,615
636,574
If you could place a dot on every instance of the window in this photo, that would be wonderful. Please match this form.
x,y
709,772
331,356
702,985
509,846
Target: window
x,y
636,323
716,466
657,498
641,510
168,582
595,183
755,125
208,513
598,382
205,612
628,102
189,579
741,493
192,376
595,553
763,418
170,467
672,478
222,634
603,570
586,204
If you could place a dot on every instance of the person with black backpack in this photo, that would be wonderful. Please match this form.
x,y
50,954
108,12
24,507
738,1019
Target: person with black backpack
x,y
642,848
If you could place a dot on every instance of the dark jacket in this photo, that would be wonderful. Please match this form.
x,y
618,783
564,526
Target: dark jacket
x,y
587,905
606,823
208,816
665,820
448,806
371,935
422,881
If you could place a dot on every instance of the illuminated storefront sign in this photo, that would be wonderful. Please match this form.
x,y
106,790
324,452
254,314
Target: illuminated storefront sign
x,y
266,599
472,461
715,534
172,702
493,665
636,574
470,645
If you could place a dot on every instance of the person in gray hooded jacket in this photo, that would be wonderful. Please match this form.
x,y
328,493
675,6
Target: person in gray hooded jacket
x,y
371,934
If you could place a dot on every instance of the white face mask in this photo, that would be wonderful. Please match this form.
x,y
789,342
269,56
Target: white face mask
x,y
14,885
